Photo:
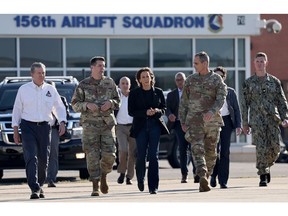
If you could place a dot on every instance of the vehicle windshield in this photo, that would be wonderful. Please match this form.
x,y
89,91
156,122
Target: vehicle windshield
x,y
7,97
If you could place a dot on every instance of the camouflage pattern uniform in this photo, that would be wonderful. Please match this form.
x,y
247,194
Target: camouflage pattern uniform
x,y
99,139
200,95
265,101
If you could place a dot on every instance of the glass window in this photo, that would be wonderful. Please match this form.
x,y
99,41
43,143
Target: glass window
x,y
7,52
7,99
80,51
241,79
166,79
220,51
47,51
79,75
117,75
129,52
48,73
172,52
230,79
241,53
4,74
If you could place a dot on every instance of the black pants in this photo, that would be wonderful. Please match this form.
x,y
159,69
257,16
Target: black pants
x,y
36,148
223,149
184,146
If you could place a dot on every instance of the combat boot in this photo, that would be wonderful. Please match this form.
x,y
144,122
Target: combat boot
x,y
263,180
95,191
204,185
104,186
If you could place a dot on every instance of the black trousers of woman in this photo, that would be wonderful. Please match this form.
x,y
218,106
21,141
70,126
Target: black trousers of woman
x,y
221,168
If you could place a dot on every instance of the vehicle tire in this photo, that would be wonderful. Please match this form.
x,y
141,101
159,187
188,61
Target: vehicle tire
x,y
1,173
174,157
83,173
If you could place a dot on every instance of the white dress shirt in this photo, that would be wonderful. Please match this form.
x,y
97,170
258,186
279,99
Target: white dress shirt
x,y
180,93
122,116
36,104
224,110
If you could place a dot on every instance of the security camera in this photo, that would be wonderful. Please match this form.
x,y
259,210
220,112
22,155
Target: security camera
x,y
273,26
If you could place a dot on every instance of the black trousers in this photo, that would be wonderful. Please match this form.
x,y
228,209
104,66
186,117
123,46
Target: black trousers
x,y
221,168
184,146
36,148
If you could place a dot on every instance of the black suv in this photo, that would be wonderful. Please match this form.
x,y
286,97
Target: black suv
x,y
71,156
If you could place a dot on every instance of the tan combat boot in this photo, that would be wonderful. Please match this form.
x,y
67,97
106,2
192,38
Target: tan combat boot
x,y
204,185
95,191
104,186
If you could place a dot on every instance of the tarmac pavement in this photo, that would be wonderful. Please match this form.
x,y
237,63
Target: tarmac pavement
x,y
243,187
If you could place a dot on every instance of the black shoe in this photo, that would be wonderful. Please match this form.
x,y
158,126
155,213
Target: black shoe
x,y
268,177
153,191
263,180
196,179
42,195
51,184
213,182
121,178
184,179
140,186
128,181
223,186
34,195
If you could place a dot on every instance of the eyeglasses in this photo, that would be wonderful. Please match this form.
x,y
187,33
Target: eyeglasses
x,y
178,80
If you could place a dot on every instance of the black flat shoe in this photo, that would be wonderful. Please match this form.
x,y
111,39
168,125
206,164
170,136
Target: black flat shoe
x,y
213,182
140,186
128,181
34,195
120,180
51,184
153,191
223,186
42,194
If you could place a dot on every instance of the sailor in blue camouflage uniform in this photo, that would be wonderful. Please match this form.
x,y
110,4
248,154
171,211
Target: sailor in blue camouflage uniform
x,y
96,97
263,98
203,96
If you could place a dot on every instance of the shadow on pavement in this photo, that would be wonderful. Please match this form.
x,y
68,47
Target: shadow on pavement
x,y
15,181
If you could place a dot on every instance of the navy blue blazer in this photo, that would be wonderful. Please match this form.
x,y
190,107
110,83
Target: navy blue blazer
x,y
172,102
233,107
137,109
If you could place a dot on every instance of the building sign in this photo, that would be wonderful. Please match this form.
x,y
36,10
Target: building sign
x,y
109,25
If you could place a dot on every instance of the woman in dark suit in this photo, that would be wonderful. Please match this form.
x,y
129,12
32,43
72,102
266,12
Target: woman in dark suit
x,y
146,104
231,116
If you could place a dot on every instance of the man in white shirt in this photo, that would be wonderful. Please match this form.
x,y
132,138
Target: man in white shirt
x,y
126,144
32,112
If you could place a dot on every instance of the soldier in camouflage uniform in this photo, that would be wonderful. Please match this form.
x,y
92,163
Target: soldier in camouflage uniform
x,y
96,97
203,95
263,98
